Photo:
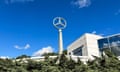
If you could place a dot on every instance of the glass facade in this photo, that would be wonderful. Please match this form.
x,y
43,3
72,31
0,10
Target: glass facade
x,y
112,43
78,51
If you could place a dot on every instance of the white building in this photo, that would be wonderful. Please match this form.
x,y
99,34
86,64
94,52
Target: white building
x,y
42,58
85,46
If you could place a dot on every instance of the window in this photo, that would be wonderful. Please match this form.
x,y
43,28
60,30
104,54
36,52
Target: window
x,y
112,43
103,43
78,51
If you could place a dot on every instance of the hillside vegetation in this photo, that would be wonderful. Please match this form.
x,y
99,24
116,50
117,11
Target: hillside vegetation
x,y
106,63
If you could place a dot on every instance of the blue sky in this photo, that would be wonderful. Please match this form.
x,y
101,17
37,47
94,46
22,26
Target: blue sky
x,y
26,25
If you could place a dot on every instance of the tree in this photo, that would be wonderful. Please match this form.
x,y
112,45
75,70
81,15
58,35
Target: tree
x,y
65,52
22,56
50,54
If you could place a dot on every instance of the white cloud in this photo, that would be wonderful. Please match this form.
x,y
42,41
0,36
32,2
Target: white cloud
x,y
94,32
82,3
44,50
4,57
27,46
20,48
17,1
17,47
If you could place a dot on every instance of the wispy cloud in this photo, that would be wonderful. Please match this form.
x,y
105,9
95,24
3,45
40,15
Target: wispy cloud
x,y
118,12
17,1
94,32
81,3
27,46
43,50
21,48
17,47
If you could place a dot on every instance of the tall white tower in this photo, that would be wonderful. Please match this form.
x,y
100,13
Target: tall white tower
x,y
60,24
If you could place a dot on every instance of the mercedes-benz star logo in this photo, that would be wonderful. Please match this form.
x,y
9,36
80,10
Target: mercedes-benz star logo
x,y
59,22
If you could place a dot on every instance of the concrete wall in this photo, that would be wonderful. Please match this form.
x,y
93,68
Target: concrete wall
x,y
78,43
92,45
89,41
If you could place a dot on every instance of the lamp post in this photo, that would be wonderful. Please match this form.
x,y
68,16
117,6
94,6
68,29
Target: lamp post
x,y
60,24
